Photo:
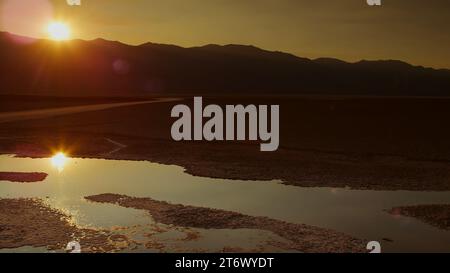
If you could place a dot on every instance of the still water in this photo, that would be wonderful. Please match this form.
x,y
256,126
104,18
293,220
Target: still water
x,y
357,213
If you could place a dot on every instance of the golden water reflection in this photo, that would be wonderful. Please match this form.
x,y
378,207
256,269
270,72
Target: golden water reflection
x,y
359,213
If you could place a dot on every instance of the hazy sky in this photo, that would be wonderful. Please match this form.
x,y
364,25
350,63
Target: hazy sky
x,y
416,31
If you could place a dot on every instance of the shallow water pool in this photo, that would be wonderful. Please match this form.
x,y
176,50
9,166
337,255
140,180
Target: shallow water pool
x,y
354,212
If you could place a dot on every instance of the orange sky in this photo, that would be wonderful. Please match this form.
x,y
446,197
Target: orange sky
x,y
415,31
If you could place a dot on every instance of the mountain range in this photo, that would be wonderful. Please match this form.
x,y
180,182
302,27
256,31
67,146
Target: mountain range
x,y
109,68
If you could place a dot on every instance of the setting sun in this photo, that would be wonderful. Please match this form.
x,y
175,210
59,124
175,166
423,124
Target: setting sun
x,y
58,31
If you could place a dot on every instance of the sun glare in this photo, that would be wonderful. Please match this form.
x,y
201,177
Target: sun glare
x,y
59,160
58,31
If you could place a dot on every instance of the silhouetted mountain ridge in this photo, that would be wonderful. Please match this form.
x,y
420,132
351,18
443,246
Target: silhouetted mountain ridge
x,y
100,67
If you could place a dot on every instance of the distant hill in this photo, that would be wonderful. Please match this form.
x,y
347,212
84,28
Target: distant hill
x,y
100,67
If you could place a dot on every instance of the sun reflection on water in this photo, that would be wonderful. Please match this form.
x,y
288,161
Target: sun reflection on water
x,y
59,161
